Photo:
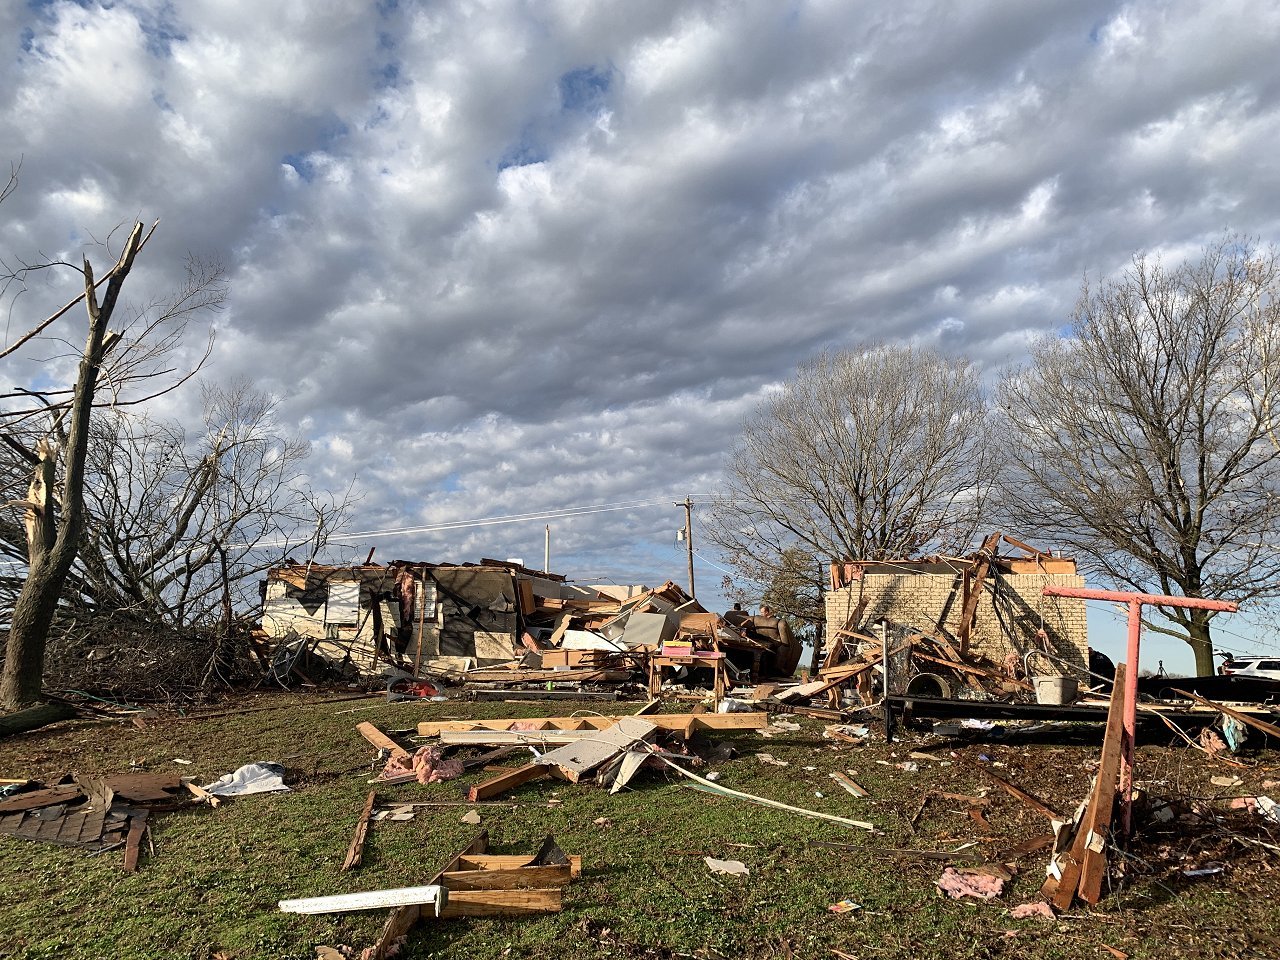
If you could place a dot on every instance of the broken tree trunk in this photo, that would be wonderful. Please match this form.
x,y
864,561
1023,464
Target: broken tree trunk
x,y
35,717
51,547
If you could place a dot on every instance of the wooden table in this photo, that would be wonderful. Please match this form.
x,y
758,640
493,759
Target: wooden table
x,y
714,661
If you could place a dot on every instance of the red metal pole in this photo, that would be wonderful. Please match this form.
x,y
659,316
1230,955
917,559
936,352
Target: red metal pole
x,y
1135,602
1129,740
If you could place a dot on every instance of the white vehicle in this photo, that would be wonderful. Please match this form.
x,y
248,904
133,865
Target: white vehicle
x,y
1268,668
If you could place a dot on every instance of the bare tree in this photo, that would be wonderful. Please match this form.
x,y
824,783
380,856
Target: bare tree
x,y
123,366
1142,441
178,528
880,453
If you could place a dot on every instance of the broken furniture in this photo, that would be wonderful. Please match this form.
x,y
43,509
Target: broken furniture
x,y
712,660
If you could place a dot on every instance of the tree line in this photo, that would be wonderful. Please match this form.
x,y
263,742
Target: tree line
x,y
1142,442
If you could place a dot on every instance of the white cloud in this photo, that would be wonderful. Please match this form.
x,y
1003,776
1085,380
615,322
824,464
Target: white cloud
x,y
505,258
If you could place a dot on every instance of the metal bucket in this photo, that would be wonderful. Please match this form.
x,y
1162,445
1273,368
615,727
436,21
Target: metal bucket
x,y
1056,691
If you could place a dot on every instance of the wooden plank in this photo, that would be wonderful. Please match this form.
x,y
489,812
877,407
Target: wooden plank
x,y
576,760
970,668
969,611
499,738
664,721
507,781
137,824
1030,800
1260,725
381,740
355,852
201,793
513,878
1096,825
501,903
849,785
538,676
497,861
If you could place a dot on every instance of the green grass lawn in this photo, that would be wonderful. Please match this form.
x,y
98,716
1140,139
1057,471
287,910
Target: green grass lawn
x,y
211,888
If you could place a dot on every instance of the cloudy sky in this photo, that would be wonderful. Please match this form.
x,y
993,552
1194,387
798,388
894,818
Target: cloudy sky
x,y
502,258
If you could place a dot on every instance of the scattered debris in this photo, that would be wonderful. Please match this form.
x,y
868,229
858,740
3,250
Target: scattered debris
x,y
965,882
1037,909
355,853
472,817
261,777
734,868
475,883
771,760
844,906
97,814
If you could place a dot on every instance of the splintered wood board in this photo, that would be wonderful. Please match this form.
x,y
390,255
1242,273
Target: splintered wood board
x,y
664,721
507,780
381,740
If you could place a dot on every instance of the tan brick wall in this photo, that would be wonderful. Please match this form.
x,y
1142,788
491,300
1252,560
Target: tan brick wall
x,y
1012,609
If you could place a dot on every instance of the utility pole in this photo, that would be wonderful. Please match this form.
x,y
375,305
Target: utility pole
x,y
687,503
546,551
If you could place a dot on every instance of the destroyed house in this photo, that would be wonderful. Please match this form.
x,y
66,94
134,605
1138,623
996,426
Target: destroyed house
x,y
987,605
361,617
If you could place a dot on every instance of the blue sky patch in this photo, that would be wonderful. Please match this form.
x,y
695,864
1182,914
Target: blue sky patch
x,y
585,88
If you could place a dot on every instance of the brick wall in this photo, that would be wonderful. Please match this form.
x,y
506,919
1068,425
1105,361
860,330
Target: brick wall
x,y
1009,614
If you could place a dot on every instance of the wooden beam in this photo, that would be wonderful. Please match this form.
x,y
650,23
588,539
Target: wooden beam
x,y
507,781
969,668
969,612
201,793
381,740
503,861
1096,825
137,824
511,878
501,903
499,738
355,852
1261,725
664,721
1032,801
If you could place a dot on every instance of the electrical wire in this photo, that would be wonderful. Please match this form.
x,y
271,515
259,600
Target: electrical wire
x,y
562,514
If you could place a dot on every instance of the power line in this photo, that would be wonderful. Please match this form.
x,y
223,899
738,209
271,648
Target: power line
x,y
561,514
